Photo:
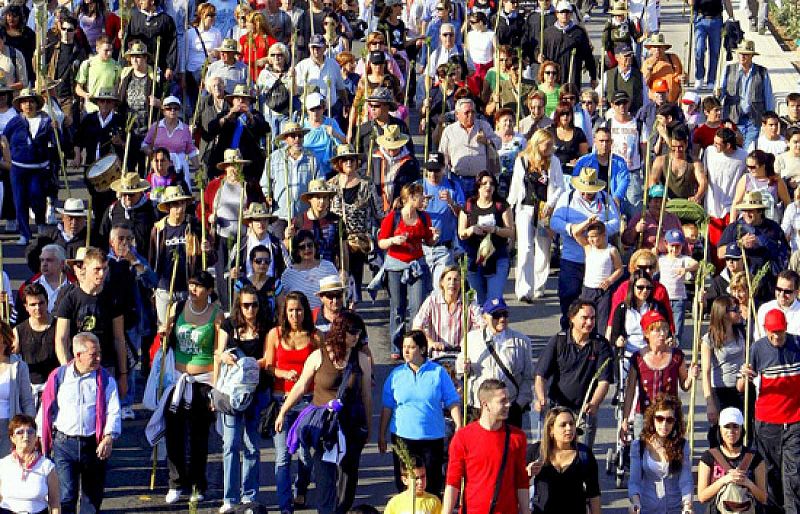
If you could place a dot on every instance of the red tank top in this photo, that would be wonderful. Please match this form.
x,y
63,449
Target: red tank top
x,y
289,360
654,381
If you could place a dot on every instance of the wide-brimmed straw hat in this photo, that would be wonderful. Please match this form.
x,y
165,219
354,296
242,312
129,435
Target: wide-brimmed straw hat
x,y
80,255
172,194
747,47
619,8
26,94
104,93
290,128
330,284
232,156
392,138
241,91
130,183
73,207
257,211
751,200
656,39
587,181
228,45
317,187
345,152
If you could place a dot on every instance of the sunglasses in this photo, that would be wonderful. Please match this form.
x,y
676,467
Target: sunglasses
x,y
645,267
305,246
783,291
249,305
212,15
171,108
643,288
24,431
749,167
261,260
499,314
551,73
68,30
447,34
374,106
332,296
275,55
664,419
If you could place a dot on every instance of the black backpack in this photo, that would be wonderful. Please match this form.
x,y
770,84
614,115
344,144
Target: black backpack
x,y
277,97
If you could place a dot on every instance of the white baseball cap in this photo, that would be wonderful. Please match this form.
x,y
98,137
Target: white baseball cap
x,y
731,415
563,5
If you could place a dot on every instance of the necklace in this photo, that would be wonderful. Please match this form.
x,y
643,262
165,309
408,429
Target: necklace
x,y
198,313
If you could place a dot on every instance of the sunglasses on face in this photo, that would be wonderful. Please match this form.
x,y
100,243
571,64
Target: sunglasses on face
x,y
447,34
249,305
171,108
305,246
499,314
332,296
664,419
784,291
752,167
261,260
645,267
643,287
551,73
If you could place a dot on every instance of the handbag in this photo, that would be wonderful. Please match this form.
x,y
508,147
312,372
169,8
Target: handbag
x,y
266,420
277,97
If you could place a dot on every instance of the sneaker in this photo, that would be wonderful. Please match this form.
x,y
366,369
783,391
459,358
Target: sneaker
x,y
197,497
52,217
11,226
700,85
127,413
22,241
586,18
173,495
226,507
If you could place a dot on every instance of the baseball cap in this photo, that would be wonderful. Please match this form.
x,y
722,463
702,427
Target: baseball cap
x,y
732,251
731,415
377,57
621,96
660,86
649,318
656,191
317,40
493,305
674,237
690,97
775,321
563,6
435,161
314,100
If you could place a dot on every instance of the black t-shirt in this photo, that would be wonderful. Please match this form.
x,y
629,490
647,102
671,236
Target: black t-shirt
x,y
568,150
717,472
709,7
565,492
38,350
602,170
174,238
250,347
95,314
570,368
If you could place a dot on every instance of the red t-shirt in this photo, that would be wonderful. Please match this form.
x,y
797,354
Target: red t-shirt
x,y
660,295
704,135
411,250
476,453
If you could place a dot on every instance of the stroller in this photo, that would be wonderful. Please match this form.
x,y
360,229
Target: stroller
x,y
618,458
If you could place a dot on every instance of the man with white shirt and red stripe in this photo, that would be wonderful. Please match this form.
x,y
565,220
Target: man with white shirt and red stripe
x,y
775,359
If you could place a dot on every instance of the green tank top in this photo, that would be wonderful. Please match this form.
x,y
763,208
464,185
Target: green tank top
x,y
195,343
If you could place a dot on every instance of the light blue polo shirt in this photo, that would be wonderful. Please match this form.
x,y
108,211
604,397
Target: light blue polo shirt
x,y
442,216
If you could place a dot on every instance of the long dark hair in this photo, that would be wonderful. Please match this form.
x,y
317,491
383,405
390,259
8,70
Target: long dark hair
x,y
335,340
674,442
99,5
485,173
298,238
237,315
718,319
765,159
630,297
307,324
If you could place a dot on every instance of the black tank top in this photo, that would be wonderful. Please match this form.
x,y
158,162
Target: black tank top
x,y
38,350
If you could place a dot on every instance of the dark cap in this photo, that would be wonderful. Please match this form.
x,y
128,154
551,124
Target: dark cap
x,y
317,40
493,305
435,161
621,96
623,49
732,251
377,57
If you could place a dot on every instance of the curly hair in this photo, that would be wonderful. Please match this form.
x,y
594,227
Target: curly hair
x,y
544,66
306,324
674,442
336,338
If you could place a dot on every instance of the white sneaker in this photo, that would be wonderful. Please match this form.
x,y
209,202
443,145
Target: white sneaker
x,y
226,507
52,218
22,241
197,497
700,85
173,495
127,413
586,18
11,226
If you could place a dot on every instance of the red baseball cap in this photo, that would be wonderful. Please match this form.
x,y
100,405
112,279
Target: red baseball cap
x,y
775,321
660,86
650,317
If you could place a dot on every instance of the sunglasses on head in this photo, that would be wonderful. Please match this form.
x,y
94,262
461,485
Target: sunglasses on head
x,y
664,419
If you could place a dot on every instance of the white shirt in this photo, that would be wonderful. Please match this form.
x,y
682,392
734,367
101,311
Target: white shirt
x,y
29,495
555,183
308,70
33,124
723,174
212,38
480,46
792,318
77,400
776,147
791,225
52,292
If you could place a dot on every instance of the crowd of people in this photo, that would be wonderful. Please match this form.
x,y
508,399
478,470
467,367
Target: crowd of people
x,y
253,180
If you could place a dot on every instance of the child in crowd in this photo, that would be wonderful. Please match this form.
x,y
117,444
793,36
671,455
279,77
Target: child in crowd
x,y
603,269
424,502
703,135
674,266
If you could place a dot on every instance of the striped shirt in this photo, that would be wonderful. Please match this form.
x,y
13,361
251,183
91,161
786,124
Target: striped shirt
x,y
779,369
442,325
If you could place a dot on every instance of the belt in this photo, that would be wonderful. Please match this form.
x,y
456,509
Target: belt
x,y
710,16
86,438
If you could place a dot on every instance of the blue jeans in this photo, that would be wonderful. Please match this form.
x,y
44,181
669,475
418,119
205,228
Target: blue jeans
x,y
467,185
570,283
707,29
678,313
28,188
632,203
490,286
438,258
283,461
240,434
79,471
748,129
405,299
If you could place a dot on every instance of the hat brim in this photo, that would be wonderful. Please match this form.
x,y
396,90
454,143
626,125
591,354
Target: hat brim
x,y
308,194
746,52
354,155
95,99
224,164
653,44
221,49
75,214
18,100
164,205
117,187
330,290
393,145
583,188
259,217
617,12
302,132
231,96
749,206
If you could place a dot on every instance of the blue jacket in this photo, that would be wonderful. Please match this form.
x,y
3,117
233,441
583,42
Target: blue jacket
x,y
27,150
619,175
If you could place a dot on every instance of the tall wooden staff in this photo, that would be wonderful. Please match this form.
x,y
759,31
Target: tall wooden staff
x,y
128,129
328,99
752,283
164,340
199,93
541,31
5,313
519,87
721,60
704,270
572,65
427,131
89,223
408,81
668,166
269,165
289,205
305,95
602,85
202,181
689,44
151,112
464,328
291,71
240,172
647,163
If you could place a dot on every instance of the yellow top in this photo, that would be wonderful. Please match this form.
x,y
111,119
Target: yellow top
x,y
426,504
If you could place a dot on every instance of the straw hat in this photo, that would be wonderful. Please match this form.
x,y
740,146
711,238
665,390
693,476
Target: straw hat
x,y
80,255
74,207
392,138
330,284
104,93
751,200
747,47
228,45
344,152
137,48
172,194
290,128
619,8
656,39
241,91
130,183
232,156
317,187
258,211
587,181
26,94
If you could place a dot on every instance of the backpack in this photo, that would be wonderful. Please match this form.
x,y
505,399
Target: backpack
x,y
236,384
277,97
733,498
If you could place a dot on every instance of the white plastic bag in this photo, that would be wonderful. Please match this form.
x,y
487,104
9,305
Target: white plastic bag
x,y
150,400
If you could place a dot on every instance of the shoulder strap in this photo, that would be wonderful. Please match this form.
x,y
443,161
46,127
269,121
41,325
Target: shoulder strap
x,y
499,361
396,215
745,464
721,461
201,41
501,471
